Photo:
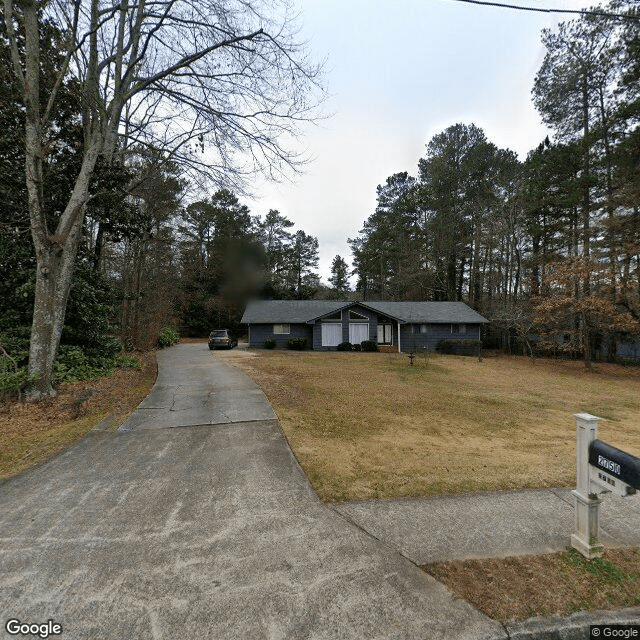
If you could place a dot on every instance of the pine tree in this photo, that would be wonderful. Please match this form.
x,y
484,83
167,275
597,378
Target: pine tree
x,y
339,275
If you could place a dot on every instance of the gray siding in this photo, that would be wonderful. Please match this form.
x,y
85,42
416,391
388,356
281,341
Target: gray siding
x,y
258,333
628,349
435,334
373,327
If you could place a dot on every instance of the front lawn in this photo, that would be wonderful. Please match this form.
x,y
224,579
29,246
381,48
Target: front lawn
x,y
369,426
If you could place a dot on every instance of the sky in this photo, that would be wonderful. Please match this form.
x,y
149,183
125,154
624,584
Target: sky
x,y
397,73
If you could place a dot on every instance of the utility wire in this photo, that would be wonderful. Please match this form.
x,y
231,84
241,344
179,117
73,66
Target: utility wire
x,y
581,12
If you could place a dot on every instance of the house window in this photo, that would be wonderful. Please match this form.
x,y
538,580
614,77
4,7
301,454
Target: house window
x,y
331,333
458,328
354,315
420,328
358,332
385,333
334,317
281,329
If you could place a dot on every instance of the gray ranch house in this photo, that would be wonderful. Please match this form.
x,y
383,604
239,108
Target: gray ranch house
x,y
396,326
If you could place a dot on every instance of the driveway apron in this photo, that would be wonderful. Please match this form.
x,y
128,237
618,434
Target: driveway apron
x,y
195,521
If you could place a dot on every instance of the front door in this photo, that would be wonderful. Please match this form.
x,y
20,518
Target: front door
x,y
385,333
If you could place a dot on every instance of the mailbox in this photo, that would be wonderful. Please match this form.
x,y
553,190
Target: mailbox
x,y
600,468
612,469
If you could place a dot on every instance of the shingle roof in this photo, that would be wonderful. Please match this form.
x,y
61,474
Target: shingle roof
x,y
295,311
289,310
428,311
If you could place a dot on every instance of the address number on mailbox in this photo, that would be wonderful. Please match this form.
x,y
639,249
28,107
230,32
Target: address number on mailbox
x,y
612,469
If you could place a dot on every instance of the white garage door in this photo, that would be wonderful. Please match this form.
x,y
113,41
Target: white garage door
x,y
331,334
358,331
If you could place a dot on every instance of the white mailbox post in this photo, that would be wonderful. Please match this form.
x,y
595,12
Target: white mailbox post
x,y
600,468
585,536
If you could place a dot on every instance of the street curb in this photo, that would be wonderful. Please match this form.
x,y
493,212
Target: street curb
x,y
573,627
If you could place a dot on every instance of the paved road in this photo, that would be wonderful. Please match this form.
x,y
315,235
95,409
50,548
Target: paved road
x,y
210,530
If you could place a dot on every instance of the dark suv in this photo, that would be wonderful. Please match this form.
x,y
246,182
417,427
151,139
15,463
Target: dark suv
x,y
222,338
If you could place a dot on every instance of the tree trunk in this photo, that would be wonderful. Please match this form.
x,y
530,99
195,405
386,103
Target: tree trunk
x,y
586,193
55,264
97,249
586,341
451,277
55,254
613,249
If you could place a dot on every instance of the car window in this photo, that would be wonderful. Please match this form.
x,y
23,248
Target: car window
x,y
218,334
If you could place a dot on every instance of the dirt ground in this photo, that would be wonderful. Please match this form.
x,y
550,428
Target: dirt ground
x,y
559,583
32,432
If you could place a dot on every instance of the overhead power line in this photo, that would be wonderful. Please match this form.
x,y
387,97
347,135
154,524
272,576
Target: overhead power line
x,y
581,12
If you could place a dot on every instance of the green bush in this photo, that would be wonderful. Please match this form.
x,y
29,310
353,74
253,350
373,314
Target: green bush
x,y
345,346
15,340
74,365
297,344
460,347
167,337
368,345
356,347
127,362
269,343
13,380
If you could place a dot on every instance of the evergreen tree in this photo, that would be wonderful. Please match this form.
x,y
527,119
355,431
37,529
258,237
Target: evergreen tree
x,y
339,275
302,280
222,257
276,240
388,252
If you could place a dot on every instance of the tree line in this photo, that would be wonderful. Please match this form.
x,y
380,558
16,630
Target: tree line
x,y
113,116
547,248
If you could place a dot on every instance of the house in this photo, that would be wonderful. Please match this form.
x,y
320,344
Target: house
x,y
399,326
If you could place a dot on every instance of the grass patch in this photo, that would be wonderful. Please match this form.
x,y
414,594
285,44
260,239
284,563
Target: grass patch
x,y
369,426
558,583
32,432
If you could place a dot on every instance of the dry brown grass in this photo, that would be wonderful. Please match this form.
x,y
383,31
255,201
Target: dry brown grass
x,y
32,432
557,583
369,426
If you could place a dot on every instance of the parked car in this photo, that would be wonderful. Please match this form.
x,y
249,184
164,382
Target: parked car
x,y
222,338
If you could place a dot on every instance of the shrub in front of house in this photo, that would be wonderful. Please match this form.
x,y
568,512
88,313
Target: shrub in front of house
x,y
345,346
460,347
269,343
356,347
368,345
297,344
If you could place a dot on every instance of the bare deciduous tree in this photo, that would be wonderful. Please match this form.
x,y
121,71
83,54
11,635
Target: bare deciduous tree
x,y
219,85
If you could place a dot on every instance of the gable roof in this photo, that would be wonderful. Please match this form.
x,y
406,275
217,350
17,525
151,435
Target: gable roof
x,y
299,311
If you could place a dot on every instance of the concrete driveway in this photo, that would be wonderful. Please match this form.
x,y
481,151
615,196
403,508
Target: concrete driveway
x,y
195,521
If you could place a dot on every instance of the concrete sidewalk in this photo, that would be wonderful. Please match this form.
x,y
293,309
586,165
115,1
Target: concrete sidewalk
x,y
489,525
204,531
